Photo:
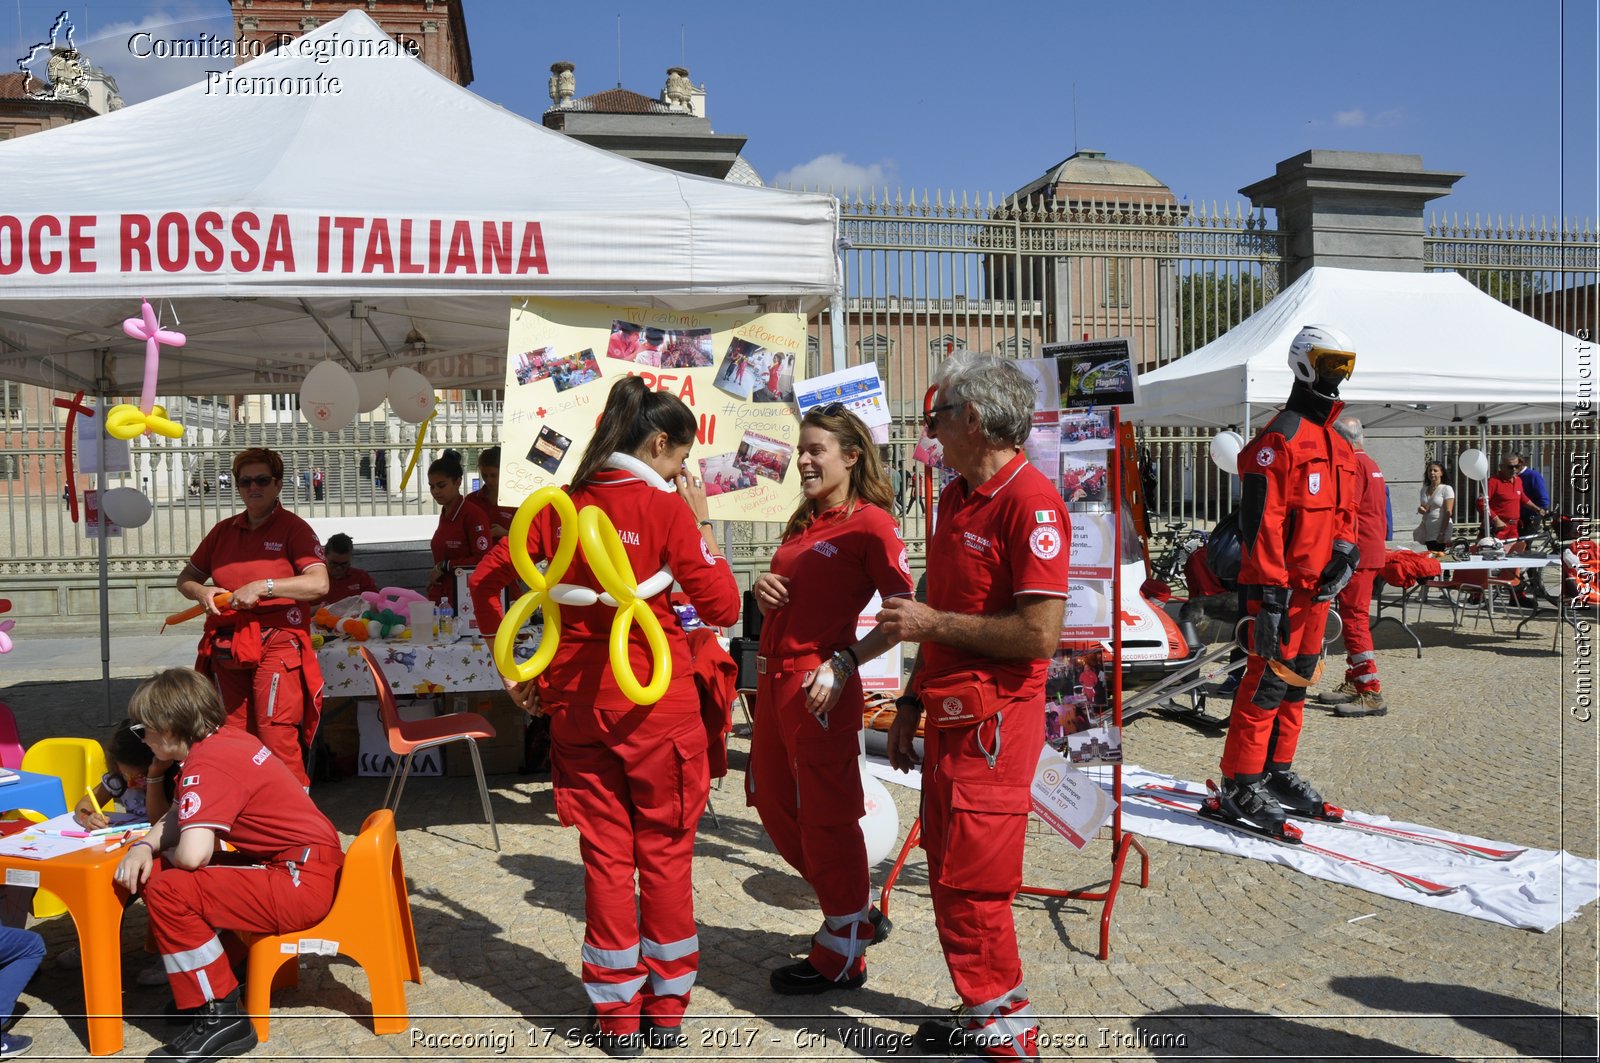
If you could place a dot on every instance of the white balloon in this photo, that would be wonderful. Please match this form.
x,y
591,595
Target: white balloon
x,y
127,506
1474,464
881,824
1225,447
328,397
410,395
371,389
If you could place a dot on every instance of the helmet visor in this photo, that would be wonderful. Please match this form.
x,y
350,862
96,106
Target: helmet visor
x,y
1326,363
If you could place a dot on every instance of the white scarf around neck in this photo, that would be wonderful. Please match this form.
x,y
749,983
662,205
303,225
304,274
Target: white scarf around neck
x,y
629,463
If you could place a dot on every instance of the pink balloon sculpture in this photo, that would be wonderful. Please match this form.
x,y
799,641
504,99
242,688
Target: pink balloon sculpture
x,y
5,637
146,327
395,598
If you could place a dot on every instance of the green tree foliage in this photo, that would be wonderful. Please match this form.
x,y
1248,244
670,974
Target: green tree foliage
x,y
1210,304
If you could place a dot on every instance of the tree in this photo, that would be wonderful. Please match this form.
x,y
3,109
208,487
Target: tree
x,y
1209,304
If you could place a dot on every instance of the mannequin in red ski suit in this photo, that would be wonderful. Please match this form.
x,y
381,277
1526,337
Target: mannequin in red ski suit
x,y
1297,532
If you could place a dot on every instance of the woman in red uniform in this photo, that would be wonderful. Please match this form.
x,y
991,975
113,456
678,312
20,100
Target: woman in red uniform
x,y
840,546
487,497
632,778
258,647
463,533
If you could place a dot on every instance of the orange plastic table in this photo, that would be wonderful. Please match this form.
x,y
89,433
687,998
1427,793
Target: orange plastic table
x,y
84,882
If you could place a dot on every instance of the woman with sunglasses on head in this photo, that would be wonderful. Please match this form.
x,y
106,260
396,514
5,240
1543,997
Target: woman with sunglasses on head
x,y
257,647
840,546
632,778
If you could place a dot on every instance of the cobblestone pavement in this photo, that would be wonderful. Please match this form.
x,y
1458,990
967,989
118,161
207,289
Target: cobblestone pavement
x,y
1220,958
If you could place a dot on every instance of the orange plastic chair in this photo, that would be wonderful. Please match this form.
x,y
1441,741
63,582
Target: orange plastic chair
x,y
407,737
370,922
79,763
10,742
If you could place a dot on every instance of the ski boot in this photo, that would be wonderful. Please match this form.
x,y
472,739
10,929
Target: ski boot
x,y
1248,806
1300,798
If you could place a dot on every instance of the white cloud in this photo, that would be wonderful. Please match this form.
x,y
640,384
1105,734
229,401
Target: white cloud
x,y
835,172
1357,118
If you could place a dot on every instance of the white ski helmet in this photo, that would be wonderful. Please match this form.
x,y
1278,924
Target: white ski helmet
x,y
1319,348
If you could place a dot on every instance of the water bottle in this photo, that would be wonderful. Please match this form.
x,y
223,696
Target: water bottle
x,y
447,620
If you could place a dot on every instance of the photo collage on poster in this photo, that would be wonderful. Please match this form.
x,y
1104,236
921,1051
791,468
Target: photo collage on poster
x,y
1077,708
737,374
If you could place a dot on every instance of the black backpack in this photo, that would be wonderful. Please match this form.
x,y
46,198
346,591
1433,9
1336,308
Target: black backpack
x,y
1224,551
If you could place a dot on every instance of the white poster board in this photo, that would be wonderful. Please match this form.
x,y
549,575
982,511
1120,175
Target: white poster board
x,y
880,673
375,758
118,457
1073,804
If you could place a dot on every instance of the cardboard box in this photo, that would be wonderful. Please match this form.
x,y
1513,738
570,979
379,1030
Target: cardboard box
x,y
502,754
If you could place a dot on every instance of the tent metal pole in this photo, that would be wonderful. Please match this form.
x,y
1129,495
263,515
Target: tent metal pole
x,y
105,565
836,306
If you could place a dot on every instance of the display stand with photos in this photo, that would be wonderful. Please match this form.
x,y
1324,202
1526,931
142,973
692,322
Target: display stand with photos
x,y
1077,436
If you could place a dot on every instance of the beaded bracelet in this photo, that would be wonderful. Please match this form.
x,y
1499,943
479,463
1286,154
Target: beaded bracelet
x,y
843,666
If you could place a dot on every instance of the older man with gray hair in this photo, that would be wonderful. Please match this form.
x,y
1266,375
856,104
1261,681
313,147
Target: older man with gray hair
x,y
997,587
1361,694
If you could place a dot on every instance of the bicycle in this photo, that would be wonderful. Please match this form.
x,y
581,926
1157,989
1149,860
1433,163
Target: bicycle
x,y
1178,541
1543,542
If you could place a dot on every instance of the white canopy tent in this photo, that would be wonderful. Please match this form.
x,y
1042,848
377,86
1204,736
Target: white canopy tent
x,y
338,198
364,178
1430,349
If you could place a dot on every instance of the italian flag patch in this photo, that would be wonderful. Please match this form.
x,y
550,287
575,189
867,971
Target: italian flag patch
x,y
1044,516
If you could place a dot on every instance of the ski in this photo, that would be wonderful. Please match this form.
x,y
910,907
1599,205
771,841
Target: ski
x,y
1484,852
1421,885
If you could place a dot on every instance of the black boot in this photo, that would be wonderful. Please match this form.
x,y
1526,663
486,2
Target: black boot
x,y
1250,803
220,1028
880,925
799,979
1299,796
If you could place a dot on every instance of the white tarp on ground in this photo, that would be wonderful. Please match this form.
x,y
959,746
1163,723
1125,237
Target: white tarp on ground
x,y
1539,890
262,216
1430,349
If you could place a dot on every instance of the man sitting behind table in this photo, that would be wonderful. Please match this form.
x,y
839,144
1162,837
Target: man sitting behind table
x,y
344,579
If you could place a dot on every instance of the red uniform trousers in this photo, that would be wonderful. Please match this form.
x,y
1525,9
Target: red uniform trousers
x,y
634,784
805,783
187,908
269,699
974,824
1355,603
1267,712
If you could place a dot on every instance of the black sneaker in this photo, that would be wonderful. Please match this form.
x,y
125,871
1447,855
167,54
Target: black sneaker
x,y
880,925
663,1038
946,1036
799,979
619,1045
219,1029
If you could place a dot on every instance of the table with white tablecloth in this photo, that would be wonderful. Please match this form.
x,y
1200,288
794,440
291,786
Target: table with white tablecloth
x,y
1413,593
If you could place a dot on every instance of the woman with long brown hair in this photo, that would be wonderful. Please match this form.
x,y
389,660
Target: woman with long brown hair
x,y
840,546
632,778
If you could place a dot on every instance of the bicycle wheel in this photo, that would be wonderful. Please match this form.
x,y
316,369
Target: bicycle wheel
x,y
1534,578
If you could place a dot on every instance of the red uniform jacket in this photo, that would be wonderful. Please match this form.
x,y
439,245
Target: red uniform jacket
x,y
1372,513
461,539
1301,489
656,530
354,581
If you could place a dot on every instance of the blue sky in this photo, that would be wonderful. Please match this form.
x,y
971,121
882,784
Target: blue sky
x,y
1207,97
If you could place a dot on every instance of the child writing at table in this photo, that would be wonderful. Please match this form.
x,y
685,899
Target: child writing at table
x,y
139,781
280,877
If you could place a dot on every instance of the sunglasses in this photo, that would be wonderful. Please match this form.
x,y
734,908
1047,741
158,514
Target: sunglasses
x,y
255,481
930,415
833,409
137,729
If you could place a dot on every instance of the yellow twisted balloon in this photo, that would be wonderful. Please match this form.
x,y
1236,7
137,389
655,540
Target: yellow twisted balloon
x,y
603,550
539,585
127,421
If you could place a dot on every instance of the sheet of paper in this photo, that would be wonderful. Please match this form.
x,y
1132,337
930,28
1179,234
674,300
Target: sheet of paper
x,y
1069,801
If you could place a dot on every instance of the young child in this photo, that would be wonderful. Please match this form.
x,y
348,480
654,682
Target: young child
x,y
280,878
138,781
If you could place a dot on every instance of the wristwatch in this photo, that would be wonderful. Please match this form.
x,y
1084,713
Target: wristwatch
x,y
908,701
